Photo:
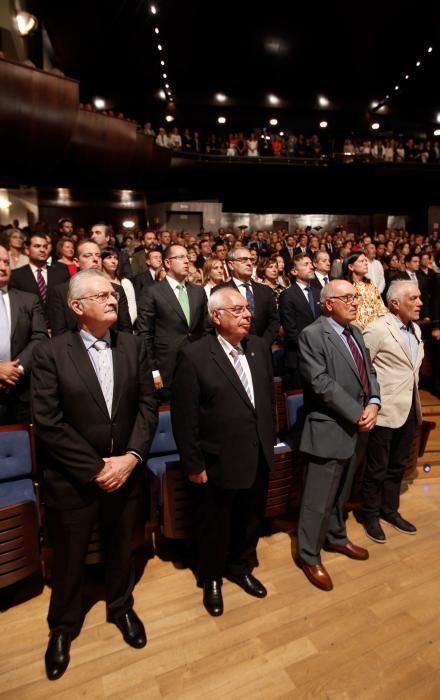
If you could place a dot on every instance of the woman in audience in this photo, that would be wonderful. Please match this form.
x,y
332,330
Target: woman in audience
x,y
65,255
267,272
110,262
212,274
195,275
282,278
370,304
392,271
17,258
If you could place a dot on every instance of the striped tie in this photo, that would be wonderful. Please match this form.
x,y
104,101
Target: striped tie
x,y
358,359
42,286
105,374
235,354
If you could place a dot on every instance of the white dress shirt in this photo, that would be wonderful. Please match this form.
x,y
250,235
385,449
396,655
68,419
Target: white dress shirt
x,y
227,347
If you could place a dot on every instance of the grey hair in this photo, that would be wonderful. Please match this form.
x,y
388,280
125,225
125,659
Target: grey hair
x,y
231,254
217,298
78,283
396,290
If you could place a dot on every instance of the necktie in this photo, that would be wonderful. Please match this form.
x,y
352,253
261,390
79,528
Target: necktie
x,y
325,280
105,374
42,286
183,301
311,301
358,359
249,296
235,354
225,272
5,335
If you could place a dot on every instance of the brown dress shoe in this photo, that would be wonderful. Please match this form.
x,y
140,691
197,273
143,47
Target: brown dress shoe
x,y
317,575
349,549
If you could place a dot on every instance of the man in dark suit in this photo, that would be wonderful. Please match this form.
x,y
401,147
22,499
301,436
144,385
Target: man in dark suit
x,y
153,260
101,234
341,397
139,261
265,320
38,277
95,412
22,326
60,316
170,314
222,414
321,265
299,306
205,252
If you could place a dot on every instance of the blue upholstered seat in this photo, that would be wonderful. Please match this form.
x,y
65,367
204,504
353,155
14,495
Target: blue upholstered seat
x,y
15,468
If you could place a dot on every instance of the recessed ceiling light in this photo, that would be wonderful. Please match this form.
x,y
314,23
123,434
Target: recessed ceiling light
x,y
396,87
153,9
437,132
167,85
430,49
156,30
169,118
418,64
220,97
128,223
281,133
273,122
171,99
375,126
323,101
162,63
99,103
273,99
159,47
162,95
406,76
221,120
323,124
164,75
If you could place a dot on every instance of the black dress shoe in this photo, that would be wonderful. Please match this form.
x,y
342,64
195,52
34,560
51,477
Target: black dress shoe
x,y
131,628
212,597
400,524
250,584
57,654
374,531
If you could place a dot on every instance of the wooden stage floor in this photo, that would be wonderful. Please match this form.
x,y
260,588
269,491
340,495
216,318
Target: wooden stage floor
x,y
375,636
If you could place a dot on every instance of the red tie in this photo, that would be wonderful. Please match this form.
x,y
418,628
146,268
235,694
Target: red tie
x,y
358,359
225,272
42,286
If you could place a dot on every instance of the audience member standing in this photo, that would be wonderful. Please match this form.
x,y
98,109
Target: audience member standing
x,y
370,304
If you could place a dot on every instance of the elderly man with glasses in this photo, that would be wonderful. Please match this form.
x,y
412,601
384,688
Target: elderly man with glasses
x,y
342,399
223,421
95,412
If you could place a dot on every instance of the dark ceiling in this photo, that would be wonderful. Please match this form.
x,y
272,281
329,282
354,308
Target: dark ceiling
x,y
350,52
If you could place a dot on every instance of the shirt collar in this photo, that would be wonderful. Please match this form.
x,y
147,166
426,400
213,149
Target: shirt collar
x,y
89,340
226,345
302,285
174,283
34,268
335,325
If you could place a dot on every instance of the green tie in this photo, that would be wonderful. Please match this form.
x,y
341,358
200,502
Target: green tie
x,y
183,301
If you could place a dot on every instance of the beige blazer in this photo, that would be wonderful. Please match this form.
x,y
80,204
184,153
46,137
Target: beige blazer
x,y
397,376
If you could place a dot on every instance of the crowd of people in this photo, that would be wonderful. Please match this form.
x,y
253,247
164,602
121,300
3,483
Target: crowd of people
x,y
110,326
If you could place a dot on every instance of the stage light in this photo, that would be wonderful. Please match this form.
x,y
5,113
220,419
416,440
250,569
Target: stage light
x,y
375,126
26,23
323,124
273,122
128,223
169,118
99,103
221,120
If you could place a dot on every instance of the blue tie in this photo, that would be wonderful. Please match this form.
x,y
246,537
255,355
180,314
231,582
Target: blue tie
x,y
250,296
5,335
311,301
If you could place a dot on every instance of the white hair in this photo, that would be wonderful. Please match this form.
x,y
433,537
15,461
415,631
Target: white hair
x,y
78,283
396,290
217,298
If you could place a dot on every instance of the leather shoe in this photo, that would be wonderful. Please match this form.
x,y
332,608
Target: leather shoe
x,y
212,597
399,523
317,574
131,628
57,654
374,531
249,584
349,549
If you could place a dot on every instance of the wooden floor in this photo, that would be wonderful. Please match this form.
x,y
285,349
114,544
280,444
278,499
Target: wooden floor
x,y
375,636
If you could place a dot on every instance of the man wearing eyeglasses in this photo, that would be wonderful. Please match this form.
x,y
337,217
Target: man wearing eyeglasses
x,y
60,316
265,320
170,315
95,412
342,399
223,422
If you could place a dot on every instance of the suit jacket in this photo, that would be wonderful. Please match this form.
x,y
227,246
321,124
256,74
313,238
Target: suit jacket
x,y
164,328
333,395
28,328
71,419
61,318
140,281
215,425
295,314
397,376
265,320
23,278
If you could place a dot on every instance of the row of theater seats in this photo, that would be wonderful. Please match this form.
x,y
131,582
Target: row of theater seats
x,y
22,545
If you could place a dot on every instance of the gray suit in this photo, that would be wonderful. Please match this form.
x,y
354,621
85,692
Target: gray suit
x,y
334,401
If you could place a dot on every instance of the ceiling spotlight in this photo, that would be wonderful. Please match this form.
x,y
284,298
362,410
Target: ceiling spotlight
x,y
281,133
156,30
396,87
164,75
153,9
159,47
128,223
221,120
387,97
171,99
169,93
323,124
273,122
375,126
273,99
162,63
169,118
26,23
5,204
437,132
99,103
167,85
374,104
323,101
437,117
418,64
220,97
429,49
162,95
406,76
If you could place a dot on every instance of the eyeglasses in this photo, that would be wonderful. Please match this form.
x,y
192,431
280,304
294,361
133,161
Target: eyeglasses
x,y
235,310
178,257
348,298
242,260
101,297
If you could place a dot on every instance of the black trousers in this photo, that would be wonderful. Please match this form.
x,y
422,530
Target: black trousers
x,y
228,526
69,534
387,458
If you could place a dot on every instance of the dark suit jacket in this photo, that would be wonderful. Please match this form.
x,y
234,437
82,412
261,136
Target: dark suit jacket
x,y
71,419
28,328
214,423
61,319
23,278
164,328
140,282
265,320
295,314
333,395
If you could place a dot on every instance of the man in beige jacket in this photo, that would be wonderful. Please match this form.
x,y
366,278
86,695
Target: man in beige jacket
x,y
396,350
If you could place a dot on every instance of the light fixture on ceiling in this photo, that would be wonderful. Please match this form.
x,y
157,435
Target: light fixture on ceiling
x,y
323,101
396,87
26,23
159,47
273,100
418,64
162,63
162,95
156,30
5,204
375,126
407,76
220,97
273,122
99,103
169,118
323,124
164,75
153,9
128,223
437,117
281,133
437,132
221,120
429,49
167,86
